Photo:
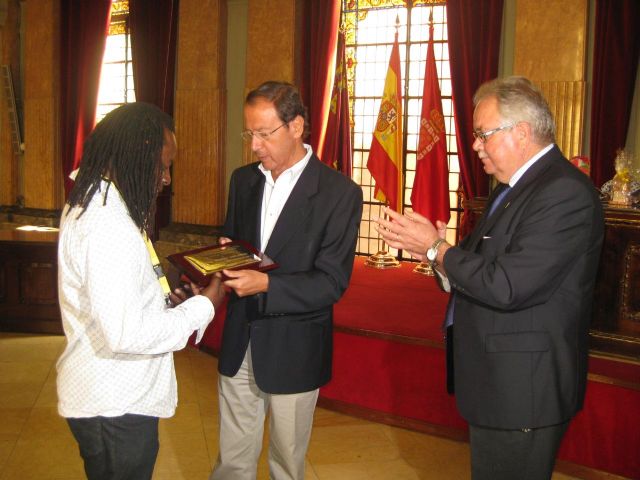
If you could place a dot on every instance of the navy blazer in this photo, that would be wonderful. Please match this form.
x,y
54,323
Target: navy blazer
x,y
313,242
524,280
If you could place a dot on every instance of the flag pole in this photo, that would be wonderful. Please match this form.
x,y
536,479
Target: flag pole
x,y
425,268
386,139
382,259
430,192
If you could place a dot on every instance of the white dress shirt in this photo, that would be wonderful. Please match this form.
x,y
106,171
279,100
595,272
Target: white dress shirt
x,y
120,334
276,193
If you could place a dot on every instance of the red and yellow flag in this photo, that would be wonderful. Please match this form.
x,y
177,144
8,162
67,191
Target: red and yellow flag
x,y
430,194
336,151
385,154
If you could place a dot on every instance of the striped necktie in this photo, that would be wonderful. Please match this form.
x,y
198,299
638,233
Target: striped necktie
x,y
498,200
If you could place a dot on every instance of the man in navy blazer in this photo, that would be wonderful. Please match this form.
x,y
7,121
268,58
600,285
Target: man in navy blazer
x,y
277,341
522,286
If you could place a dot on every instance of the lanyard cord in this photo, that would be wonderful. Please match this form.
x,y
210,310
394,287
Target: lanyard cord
x,y
158,269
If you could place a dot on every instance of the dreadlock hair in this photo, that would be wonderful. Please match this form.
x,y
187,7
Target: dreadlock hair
x,y
125,149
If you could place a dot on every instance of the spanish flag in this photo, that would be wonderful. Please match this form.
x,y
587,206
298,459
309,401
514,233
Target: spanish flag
x,y
430,193
385,154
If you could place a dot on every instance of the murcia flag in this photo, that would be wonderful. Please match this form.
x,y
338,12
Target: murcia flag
x,y
430,194
336,151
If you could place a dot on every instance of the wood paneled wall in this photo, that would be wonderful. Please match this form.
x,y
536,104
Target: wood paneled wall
x,y
550,49
198,172
43,183
274,32
273,35
566,101
9,55
551,39
272,40
200,113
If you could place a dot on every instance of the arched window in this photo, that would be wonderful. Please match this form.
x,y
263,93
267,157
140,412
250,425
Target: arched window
x,y
116,77
370,26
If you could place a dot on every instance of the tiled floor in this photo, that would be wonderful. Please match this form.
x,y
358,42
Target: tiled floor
x,y
35,443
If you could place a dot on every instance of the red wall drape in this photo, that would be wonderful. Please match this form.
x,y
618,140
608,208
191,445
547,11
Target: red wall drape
x,y
615,63
84,27
336,150
322,18
153,25
474,47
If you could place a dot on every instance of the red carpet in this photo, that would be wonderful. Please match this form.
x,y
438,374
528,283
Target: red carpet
x,y
394,301
389,362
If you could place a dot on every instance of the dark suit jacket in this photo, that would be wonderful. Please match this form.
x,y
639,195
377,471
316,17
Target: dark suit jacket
x,y
524,280
313,242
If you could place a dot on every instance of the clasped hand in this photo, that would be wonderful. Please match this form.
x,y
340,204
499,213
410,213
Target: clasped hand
x,y
411,232
213,291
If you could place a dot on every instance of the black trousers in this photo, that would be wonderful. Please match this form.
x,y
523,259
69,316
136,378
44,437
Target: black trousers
x,y
117,448
528,454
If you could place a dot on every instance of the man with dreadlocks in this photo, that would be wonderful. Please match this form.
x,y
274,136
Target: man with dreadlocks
x,y
116,375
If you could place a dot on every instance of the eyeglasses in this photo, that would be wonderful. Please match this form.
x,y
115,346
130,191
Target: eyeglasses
x,y
484,136
248,135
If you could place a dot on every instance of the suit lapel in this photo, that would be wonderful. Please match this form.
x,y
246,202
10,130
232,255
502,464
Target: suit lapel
x,y
524,183
485,222
490,220
254,203
296,209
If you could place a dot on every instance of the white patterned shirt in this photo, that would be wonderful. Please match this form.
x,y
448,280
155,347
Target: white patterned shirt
x,y
120,333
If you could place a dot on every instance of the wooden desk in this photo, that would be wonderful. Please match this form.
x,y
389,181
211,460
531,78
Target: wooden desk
x,y
615,324
28,282
615,327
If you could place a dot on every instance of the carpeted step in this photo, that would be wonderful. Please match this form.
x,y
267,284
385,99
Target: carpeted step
x,y
189,234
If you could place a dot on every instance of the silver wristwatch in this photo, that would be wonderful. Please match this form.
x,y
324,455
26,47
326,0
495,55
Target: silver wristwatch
x,y
432,253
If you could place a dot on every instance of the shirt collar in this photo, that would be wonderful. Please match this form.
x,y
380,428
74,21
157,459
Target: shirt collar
x,y
521,171
293,172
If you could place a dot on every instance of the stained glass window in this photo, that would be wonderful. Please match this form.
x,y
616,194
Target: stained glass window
x,y
116,77
370,26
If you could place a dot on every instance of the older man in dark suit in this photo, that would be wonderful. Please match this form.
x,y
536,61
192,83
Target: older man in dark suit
x,y
522,283
277,340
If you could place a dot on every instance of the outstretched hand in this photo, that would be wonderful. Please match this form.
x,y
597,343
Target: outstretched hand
x,y
411,232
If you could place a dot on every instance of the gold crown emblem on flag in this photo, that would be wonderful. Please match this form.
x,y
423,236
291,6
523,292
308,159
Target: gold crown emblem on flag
x,y
387,118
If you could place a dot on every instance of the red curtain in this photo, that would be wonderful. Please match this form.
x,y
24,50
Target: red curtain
x,y
615,63
322,18
84,28
153,26
474,47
